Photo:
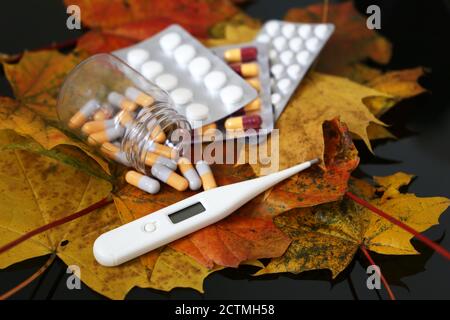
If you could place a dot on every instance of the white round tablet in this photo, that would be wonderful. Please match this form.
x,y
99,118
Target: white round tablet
x,y
273,55
215,80
199,66
277,70
294,71
184,53
151,69
321,31
272,28
166,81
286,57
288,30
231,94
304,31
263,38
279,43
303,57
312,44
197,111
181,95
136,57
284,85
276,97
170,41
295,44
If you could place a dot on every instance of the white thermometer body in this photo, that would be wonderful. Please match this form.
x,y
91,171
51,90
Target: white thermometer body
x,y
182,218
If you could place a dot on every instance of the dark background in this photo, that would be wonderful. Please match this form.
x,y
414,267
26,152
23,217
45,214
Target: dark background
x,y
415,28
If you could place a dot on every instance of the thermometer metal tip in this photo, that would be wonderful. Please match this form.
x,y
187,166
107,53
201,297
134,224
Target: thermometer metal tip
x,y
182,218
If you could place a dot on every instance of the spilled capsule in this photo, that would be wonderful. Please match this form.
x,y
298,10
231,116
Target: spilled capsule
x,y
142,182
188,171
153,158
113,152
168,176
206,175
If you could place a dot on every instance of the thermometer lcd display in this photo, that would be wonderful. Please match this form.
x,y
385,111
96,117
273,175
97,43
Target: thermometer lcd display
x,y
187,212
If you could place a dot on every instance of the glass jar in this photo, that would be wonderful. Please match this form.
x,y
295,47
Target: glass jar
x,y
113,107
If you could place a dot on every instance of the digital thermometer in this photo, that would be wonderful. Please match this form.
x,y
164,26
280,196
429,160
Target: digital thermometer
x,y
182,218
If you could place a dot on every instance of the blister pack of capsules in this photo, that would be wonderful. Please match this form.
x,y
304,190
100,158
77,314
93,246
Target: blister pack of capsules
x,y
201,85
293,49
251,62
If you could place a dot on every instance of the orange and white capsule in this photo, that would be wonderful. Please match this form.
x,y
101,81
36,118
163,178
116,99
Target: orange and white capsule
x,y
243,54
125,118
139,97
80,118
254,105
122,102
105,112
188,171
163,150
255,83
152,158
110,134
157,133
168,176
208,130
142,182
96,126
243,122
246,70
206,175
113,152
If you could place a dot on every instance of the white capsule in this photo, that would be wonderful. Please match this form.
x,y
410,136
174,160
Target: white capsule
x,y
151,69
279,43
263,38
321,31
284,85
136,57
181,96
199,66
197,111
294,71
166,81
215,80
304,31
288,30
277,70
286,57
170,41
231,94
183,54
303,57
312,44
272,28
276,98
295,44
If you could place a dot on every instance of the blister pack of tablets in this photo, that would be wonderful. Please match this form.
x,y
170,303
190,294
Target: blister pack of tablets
x,y
293,49
251,62
202,87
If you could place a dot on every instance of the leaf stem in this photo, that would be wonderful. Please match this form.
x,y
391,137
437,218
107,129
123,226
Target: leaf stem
x,y
436,247
30,279
71,217
383,279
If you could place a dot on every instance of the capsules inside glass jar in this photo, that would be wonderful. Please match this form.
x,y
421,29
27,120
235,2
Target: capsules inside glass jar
x,y
138,126
203,88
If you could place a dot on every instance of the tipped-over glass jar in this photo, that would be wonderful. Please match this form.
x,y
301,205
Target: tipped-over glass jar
x,y
131,120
